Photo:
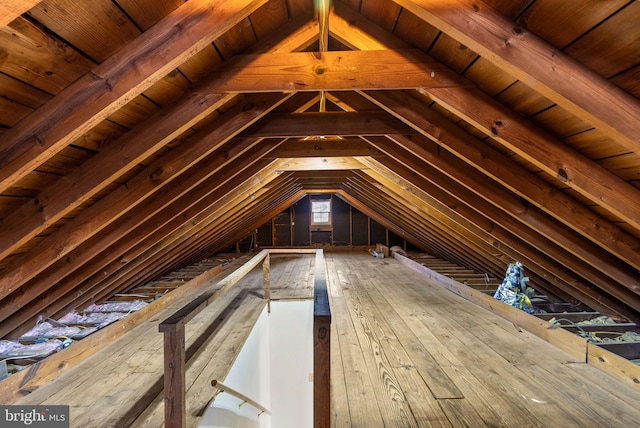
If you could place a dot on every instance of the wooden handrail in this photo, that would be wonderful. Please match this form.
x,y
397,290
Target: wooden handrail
x,y
321,346
174,338
224,388
193,308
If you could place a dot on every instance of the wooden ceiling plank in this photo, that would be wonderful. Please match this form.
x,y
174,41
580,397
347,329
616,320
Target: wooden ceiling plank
x,y
31,58
73,189
327,124
96,95
149,180
143,15
98,29
519,181
562,23
101,170
11,9
546,69
551,155
333,70
517,134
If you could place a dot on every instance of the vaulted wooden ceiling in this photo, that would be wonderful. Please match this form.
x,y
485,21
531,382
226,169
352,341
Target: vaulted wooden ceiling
x,y
137,136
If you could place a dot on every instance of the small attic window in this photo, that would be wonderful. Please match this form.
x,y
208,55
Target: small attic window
x,y
321,212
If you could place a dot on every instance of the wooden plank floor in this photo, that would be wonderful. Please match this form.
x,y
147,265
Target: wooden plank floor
x,y
405,352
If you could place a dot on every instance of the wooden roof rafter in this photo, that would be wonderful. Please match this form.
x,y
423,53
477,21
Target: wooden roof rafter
x,y
545,68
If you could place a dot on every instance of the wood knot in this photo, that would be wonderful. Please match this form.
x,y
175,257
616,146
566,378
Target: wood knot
x,y
562,175
155,175
322,332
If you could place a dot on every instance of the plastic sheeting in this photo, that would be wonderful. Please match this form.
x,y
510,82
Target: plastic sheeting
x,y
514,291
47,330
13,349
117,306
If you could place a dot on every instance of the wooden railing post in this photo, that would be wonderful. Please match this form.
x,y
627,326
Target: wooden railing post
x,y
321,346
174,378
266,270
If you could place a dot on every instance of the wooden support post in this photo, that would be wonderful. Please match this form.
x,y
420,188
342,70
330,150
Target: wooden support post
x,y
350,226
321,371
175,408
321,347
266,270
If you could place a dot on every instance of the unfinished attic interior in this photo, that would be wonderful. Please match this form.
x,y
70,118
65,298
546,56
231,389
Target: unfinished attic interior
x,y
200,161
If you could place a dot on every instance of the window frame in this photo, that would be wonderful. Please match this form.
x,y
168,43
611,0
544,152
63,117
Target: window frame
x,y
313,212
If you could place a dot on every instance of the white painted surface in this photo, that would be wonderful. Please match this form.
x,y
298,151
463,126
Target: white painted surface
x,y
274,368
